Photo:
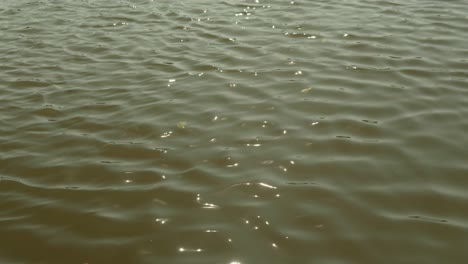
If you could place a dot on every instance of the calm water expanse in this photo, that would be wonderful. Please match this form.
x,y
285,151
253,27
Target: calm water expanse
x,y
259,131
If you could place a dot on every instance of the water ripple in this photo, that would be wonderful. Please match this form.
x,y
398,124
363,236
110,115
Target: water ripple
x,y
233,132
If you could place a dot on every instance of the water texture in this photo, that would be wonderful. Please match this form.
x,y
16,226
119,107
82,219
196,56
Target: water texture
x,y
233,131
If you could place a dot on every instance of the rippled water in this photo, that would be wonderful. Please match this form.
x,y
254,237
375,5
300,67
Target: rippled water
x,y
233,131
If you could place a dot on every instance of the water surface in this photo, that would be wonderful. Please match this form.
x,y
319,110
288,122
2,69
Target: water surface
x,y
233,131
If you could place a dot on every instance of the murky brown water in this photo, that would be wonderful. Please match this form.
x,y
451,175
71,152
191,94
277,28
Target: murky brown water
x,y
233,131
